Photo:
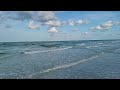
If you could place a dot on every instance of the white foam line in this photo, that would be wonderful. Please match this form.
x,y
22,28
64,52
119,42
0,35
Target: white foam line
x,y
82,44
62,66
91,46
100,43
33,52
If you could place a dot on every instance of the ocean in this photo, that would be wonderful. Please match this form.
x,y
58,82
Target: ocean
x,y
84,59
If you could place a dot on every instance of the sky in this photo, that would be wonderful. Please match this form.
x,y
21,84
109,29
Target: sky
x,y
18,26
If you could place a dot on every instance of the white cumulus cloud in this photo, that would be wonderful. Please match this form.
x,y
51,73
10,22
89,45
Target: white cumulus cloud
x,y
71,23
53,30
108,24
75,23
53,23
31,25
81,22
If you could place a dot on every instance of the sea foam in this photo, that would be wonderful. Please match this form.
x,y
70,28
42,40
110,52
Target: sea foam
x,y
34,52
92,46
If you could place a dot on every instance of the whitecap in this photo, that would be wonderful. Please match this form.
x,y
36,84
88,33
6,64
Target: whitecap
x,y
91,46
39,51
100,43
82,44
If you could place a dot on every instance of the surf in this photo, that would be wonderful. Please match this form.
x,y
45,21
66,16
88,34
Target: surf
x,y
35,52
63,66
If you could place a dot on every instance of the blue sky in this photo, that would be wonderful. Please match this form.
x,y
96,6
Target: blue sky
x,y
59,25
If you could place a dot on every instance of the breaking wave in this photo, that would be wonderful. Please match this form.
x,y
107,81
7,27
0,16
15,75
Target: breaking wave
x,y
92,46
82,44
100,43
34,52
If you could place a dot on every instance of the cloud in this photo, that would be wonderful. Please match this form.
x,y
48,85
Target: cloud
x,y
40,16
28,15
45,16
2,16
71,23
21,15
33,26
107,25
53,30
25,15
75,23
53,23
81,22
99,27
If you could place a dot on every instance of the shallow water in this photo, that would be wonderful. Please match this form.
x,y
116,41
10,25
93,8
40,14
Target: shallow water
x,y
60,59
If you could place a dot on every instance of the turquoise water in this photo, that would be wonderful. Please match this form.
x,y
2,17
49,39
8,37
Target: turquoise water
x,y
60,59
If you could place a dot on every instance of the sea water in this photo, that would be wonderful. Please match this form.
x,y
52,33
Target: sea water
x,y
60,59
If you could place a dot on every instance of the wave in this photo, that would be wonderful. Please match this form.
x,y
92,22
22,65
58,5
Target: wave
x,y
115,42
100,43
98,46
91,46
34,52
5,56
82,44
63,66
117,50
106,45
2,53
51,45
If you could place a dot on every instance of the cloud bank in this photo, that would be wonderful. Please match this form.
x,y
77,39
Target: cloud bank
x,y
105,26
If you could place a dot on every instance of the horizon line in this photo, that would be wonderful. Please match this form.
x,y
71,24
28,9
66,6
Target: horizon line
x,y
59,40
